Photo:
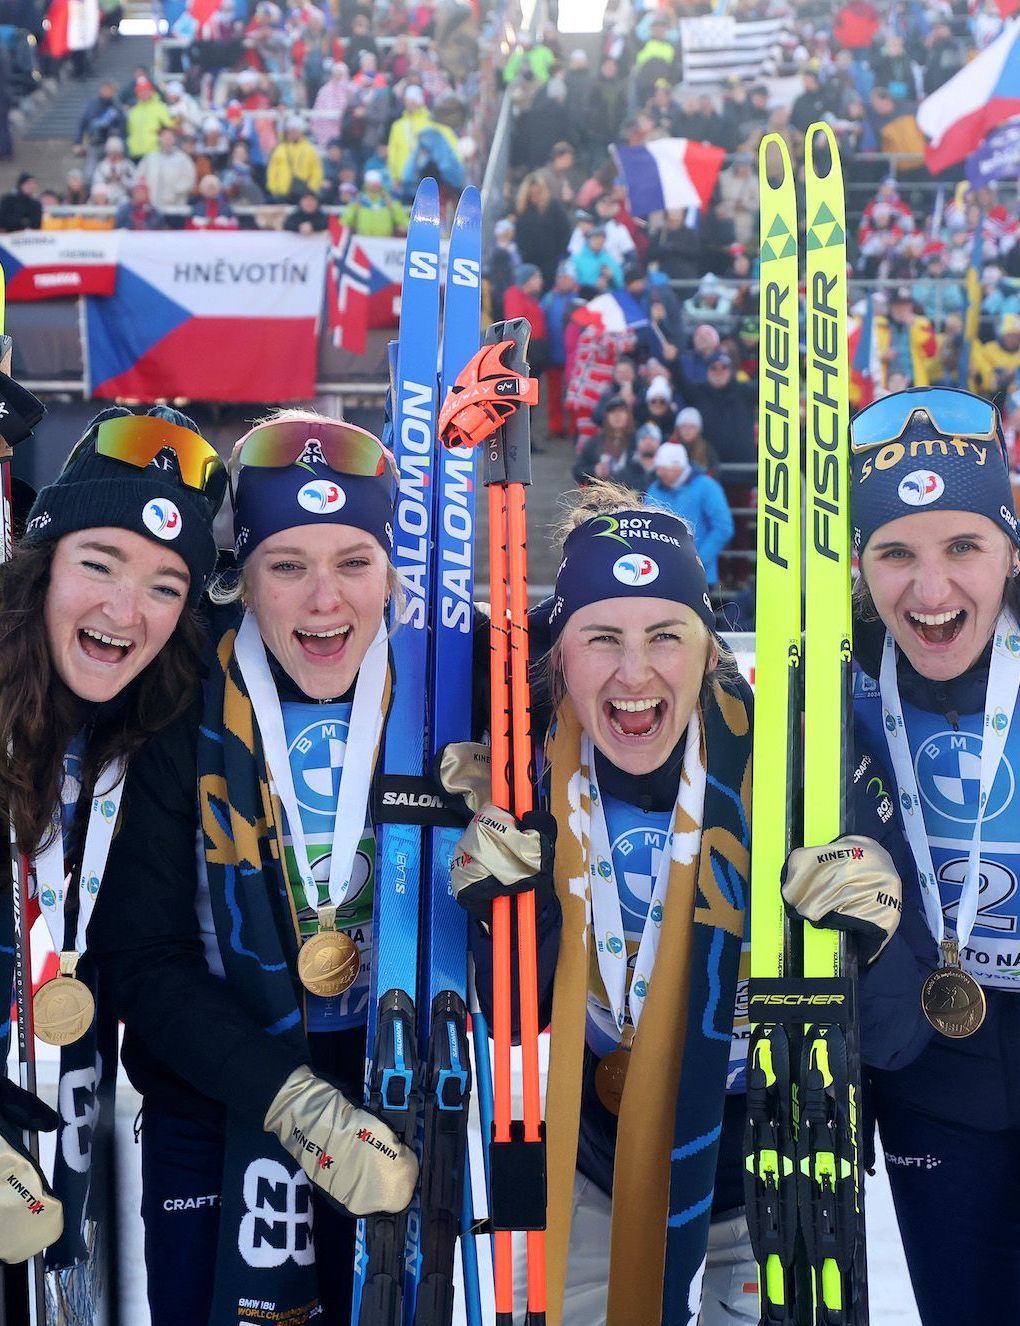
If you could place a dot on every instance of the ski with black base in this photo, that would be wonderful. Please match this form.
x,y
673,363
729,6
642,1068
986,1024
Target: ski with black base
x,y
803,1168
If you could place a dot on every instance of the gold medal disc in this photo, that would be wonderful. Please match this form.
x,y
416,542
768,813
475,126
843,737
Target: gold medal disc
x,y
328,963
63,1010
611,1077
953,1002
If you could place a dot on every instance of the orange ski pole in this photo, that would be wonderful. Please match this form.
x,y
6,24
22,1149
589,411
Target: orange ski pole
x,y
486,408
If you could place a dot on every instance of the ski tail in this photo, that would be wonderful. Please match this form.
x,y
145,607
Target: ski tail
x,y
386,1256
829,1162
770,1176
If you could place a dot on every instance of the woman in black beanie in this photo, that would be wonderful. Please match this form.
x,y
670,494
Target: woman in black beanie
x,y
99,648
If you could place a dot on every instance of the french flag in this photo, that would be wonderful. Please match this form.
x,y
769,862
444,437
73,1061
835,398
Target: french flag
x,y
985,93
668,174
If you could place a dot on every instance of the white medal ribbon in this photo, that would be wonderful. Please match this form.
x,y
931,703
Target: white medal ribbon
x,y
606,912
53,886
356,776
1000,701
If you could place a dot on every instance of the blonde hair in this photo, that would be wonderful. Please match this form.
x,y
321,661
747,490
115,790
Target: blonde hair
x,y
523,198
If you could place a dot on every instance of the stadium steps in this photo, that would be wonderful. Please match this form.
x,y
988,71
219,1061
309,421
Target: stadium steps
x,y
115,60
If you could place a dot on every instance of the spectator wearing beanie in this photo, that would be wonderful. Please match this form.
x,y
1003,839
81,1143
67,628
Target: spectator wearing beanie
x,y
375,212
558,305
696,497
500,267
607,451
295,164
658,407
687,430
21,209
522,301
638,471
728,408
595,269
146,118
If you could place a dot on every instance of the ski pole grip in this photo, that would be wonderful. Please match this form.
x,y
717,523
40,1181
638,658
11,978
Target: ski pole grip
x,y
517,1181
508,451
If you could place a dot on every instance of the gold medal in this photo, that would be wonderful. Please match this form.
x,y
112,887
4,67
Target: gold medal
x,y
611,1073
329,962
63,1009
951,999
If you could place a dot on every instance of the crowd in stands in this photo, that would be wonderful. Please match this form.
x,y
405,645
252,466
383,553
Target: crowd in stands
x,y
312,113
294,108
666,402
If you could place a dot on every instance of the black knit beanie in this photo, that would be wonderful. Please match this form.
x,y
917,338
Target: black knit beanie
x,y
93,490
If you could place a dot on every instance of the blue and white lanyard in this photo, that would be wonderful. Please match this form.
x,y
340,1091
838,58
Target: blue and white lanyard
x,y
1000,702
606,912
356,776
53,885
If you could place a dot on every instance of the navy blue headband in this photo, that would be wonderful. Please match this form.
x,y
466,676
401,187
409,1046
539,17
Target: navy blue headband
x,y
924,470
630,554
267,501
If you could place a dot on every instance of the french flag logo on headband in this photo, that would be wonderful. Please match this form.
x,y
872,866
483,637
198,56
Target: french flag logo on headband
x,y
322,497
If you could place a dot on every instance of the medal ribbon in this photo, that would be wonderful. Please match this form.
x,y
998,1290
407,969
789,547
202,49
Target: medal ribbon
x,y
53,885
1000,701
606,912
356,775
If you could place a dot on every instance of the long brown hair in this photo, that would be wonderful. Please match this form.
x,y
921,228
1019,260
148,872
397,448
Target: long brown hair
x,y
39,715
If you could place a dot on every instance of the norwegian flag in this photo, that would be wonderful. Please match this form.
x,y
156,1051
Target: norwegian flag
x,y
362,291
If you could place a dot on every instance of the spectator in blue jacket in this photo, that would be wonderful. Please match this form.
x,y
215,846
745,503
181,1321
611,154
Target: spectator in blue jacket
x,y
596,270
558,305
688,491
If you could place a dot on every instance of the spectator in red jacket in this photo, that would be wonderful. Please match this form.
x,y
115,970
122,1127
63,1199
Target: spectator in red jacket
x,y
856,25
521,300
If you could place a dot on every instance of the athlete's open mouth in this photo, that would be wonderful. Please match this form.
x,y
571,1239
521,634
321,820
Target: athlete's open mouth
x,y
636,718
324,644
103,648
938,628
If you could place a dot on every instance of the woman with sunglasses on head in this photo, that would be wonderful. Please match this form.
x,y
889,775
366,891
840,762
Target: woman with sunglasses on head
x,y
937,748
100,648
241,970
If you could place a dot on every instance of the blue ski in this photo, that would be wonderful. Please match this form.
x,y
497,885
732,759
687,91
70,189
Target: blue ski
x,y
386,1256
446,1076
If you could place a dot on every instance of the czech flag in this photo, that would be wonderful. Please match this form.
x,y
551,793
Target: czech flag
x,y
668,174
211,315
53,264
985,93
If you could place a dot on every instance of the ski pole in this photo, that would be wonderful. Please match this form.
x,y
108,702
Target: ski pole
x,y
485,408
516,1156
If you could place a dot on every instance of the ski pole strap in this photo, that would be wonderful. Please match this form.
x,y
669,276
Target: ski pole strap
x,y
517,1181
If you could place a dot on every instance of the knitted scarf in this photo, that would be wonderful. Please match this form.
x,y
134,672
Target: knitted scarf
x,y
265,1249
671,1112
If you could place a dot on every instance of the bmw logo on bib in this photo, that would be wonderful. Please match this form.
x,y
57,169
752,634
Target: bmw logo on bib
x,y
317,761
640,851
948,771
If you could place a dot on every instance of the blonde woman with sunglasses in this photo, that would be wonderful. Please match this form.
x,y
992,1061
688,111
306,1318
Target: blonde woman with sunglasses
x,y
241,944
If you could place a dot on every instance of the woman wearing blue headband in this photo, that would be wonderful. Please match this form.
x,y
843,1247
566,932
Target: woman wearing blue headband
x,y
647,775
241,973
937,750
